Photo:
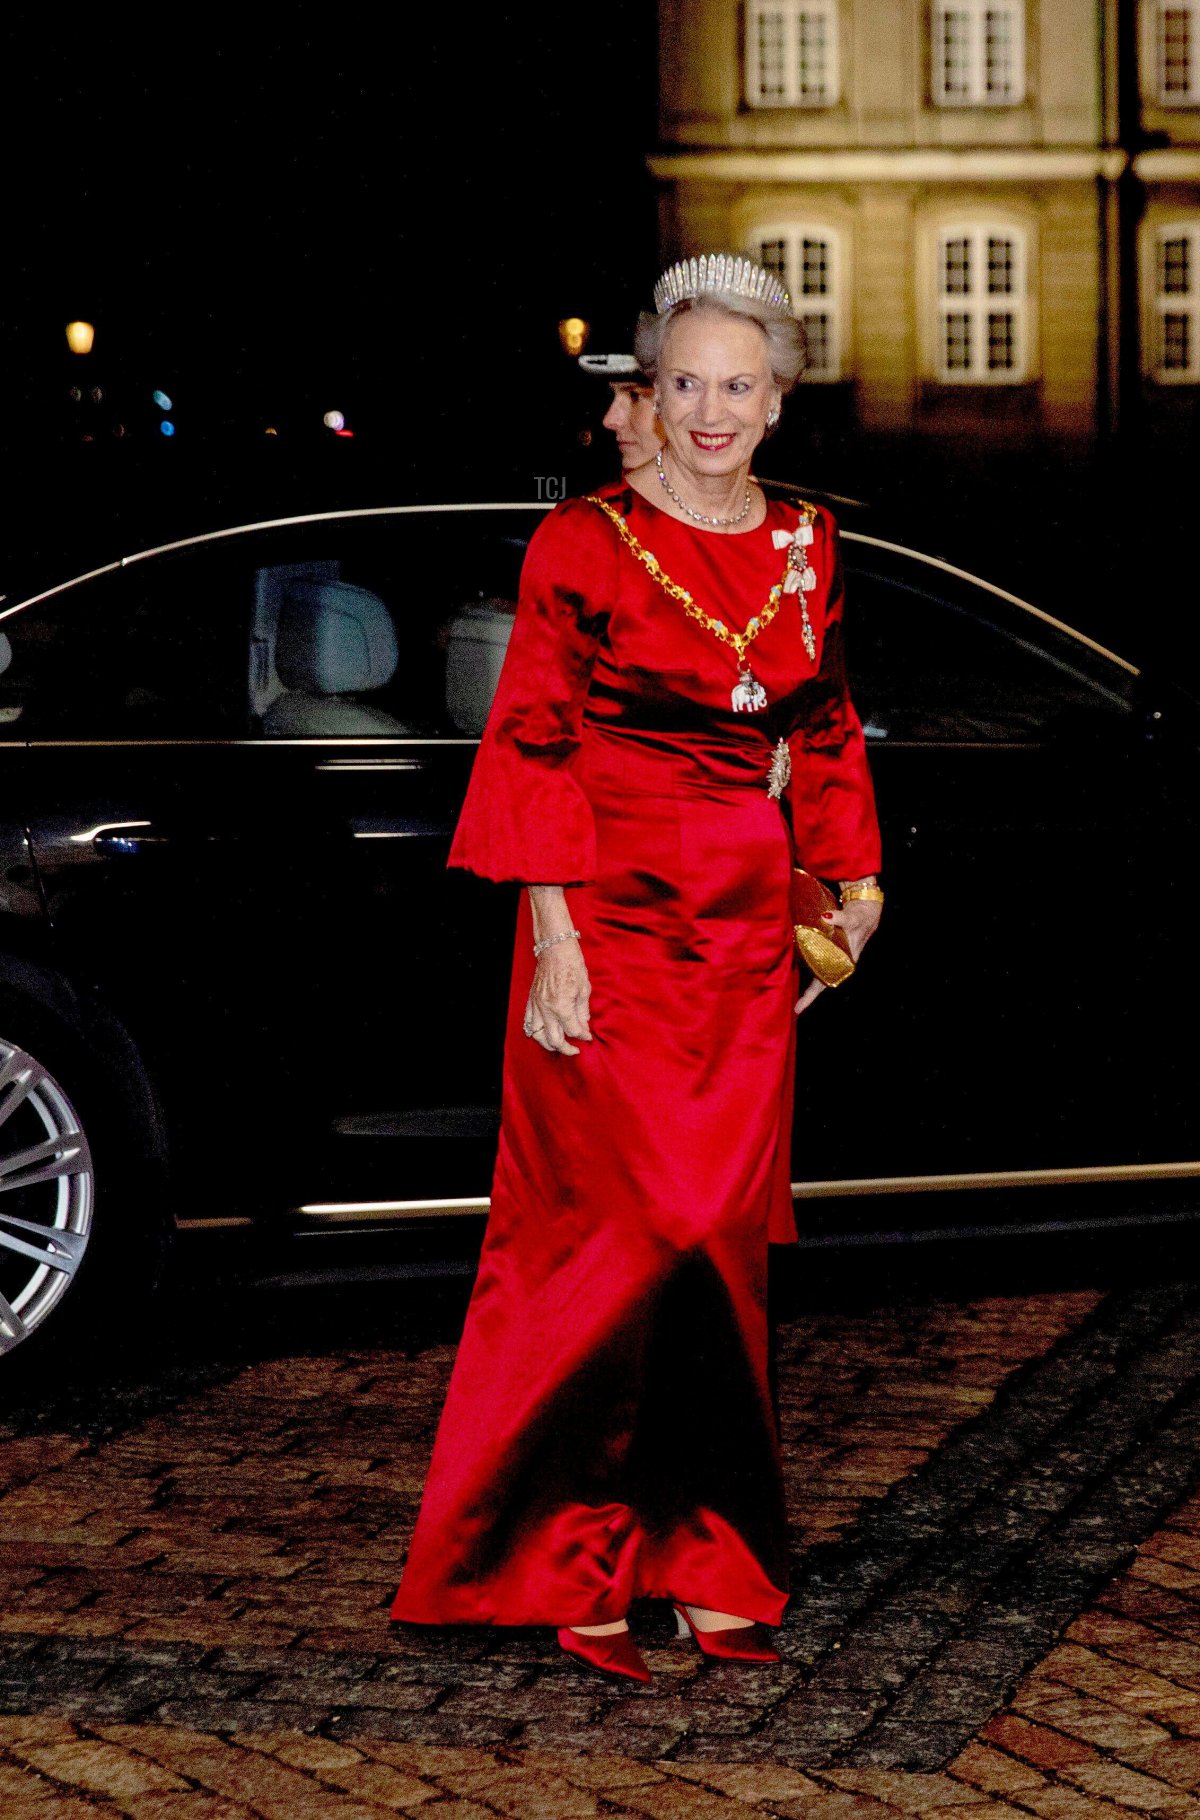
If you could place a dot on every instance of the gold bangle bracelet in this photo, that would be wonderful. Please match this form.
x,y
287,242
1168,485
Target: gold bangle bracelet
x,y
862,894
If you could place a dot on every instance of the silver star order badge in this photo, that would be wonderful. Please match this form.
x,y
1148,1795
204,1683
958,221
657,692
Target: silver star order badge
x,y
779,775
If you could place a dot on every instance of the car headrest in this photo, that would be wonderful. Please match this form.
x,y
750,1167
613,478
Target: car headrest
x,y
334,639
476,641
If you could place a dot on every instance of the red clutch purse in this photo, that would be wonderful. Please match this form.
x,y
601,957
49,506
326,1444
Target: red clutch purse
x,y
824,948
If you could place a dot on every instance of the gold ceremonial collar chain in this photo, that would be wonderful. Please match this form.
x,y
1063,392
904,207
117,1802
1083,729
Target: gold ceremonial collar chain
x,y
798,576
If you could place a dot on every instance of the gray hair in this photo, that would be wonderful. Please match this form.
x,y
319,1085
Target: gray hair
x,y
785,336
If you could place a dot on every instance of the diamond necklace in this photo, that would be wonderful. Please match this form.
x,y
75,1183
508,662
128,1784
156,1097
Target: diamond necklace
x,y
701,518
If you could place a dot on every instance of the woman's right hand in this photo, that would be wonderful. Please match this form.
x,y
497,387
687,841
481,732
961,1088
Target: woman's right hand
x,y
556,1012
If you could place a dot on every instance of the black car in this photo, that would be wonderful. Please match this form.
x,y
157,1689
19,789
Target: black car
x,y
239,989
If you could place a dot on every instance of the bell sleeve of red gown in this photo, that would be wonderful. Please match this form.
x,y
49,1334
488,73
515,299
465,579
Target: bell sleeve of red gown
x,y
833,801
525,817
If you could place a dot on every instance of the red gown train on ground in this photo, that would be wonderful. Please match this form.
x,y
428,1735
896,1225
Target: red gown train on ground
x,y
608,1431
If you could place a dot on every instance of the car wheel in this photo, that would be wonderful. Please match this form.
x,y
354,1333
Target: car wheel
x,y
78,1246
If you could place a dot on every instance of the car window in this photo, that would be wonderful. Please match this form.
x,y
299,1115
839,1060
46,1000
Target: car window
x,y
381,626
156,650
388,626
931,666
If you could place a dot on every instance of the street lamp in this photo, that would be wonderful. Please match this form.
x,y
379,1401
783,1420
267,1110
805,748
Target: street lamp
x,y
80,336
573,332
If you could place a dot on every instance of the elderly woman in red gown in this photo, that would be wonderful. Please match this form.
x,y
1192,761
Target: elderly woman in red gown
x,y
677,652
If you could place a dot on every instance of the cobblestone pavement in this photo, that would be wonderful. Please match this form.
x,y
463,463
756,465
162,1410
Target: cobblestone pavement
x,y
996,1601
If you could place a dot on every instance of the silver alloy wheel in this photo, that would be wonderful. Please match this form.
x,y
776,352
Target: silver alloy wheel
x,y
47,1194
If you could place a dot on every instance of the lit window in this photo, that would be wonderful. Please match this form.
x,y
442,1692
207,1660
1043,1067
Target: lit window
x,y
791,53
1177,303
773,257
982,308
1177,52
808,262
978,51
772,56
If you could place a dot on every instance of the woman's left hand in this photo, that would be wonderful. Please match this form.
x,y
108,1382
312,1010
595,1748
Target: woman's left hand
x,y
860,919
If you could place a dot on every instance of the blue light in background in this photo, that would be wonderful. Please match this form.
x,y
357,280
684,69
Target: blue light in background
x,y
167,427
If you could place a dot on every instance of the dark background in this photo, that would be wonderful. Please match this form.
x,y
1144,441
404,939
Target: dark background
x,y
268,219
388,214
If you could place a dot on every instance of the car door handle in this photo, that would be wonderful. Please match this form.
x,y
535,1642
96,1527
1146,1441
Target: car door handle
x,y
117,837
411,827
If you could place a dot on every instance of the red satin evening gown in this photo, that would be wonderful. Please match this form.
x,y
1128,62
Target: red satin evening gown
x,y
608,1431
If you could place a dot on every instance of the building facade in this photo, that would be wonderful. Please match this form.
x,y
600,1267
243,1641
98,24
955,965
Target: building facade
x,y
987,211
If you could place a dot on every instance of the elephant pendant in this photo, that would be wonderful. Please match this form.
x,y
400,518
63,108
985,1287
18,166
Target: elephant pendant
x,y
749,696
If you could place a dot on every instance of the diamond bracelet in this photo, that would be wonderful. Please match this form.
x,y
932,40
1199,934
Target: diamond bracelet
x,y
568,935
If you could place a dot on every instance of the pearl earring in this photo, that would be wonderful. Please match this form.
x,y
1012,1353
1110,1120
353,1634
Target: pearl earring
x,y
772,418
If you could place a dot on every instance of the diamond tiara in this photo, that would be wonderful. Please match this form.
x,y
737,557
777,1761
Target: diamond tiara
x,y
719,275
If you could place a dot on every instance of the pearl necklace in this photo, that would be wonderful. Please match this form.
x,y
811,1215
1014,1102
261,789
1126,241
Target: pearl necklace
x,y
701,518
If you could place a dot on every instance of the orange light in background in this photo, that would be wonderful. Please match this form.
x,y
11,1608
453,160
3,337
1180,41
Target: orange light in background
x,y
80,336
573,332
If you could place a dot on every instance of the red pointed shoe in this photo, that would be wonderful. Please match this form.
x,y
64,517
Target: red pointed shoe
x,y
616,1654
740,1643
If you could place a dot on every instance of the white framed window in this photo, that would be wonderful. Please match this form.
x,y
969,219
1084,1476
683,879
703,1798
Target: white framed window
x,y
983,308
1177,52
978,52
791,53
1176,313
809,261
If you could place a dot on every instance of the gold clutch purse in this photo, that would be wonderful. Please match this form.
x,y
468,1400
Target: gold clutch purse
x,y
824,948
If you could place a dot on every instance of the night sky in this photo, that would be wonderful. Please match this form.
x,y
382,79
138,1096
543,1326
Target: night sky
x,y
388,216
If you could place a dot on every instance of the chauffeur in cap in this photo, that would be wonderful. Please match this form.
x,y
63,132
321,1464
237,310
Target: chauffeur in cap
x,y
631,416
